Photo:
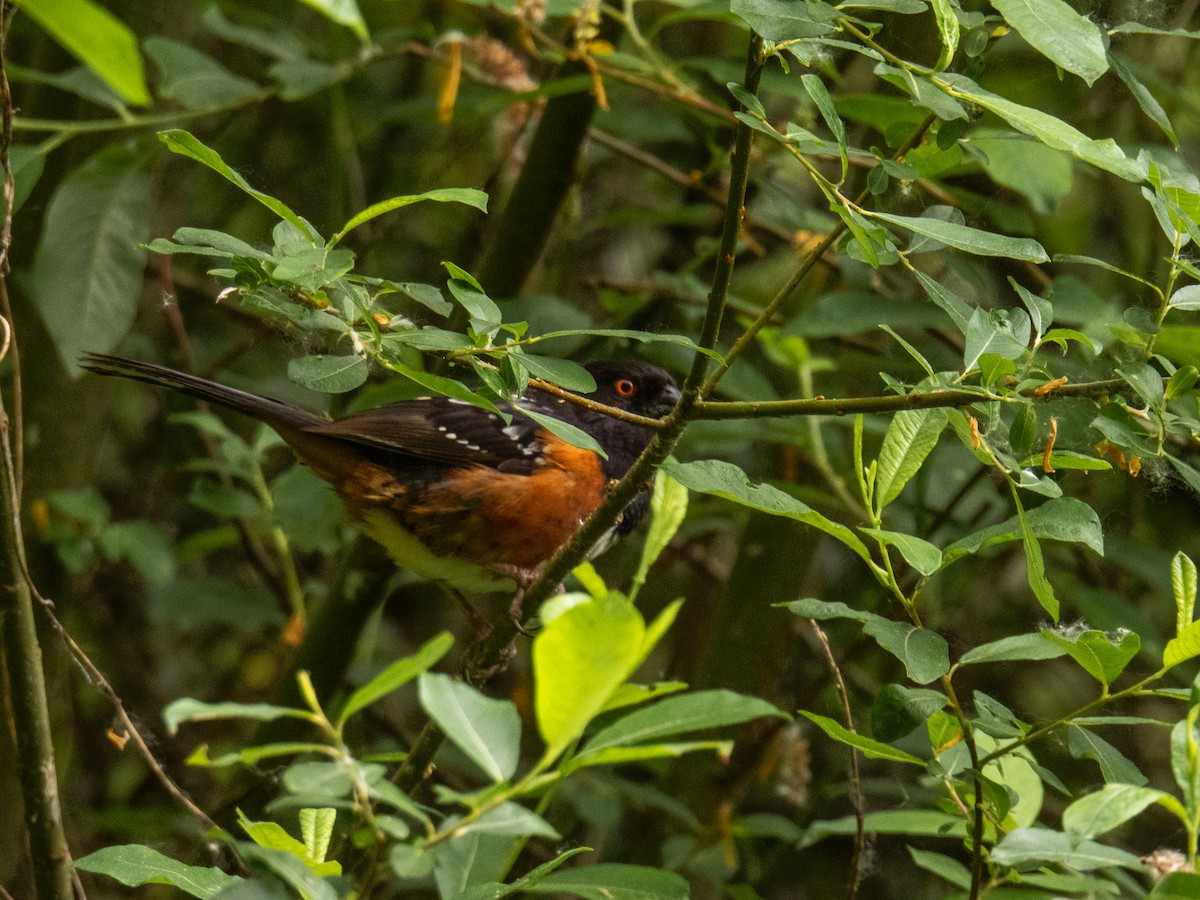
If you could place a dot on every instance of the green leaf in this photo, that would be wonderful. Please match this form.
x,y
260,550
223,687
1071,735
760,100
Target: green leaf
x,y
925,653
680,715
668,508
1146,100
1176,886
1035,566
910,438
899,710
87,271
565,373
185,709
642,337
179,141
485,314
820,96
614,881
195,79
397,675
944,867
1061,519
968,239
722,479
469,196
1110,807
344,12
999,332
1041,845
579,659
1116,769
631,694
496,891
26,163
1102,656
316,828
947,24
869,748
488,731
328,374
251,755
509,819
923,556
272,836
1183,588
1184,646
1010,649
1051,131
134,865
1187,297
573,435
953,305
97,39
1059,33
620,756
784,20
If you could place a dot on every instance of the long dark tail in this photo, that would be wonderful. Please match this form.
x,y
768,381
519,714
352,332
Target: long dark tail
x,y
274,412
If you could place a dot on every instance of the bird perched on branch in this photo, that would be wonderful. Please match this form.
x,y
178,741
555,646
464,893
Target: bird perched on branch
x,y
452,491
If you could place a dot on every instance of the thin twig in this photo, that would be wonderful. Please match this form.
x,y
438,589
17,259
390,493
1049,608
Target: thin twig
x,y
856,794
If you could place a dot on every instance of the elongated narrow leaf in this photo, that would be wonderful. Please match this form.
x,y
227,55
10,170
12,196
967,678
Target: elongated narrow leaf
x,y
87,271
870,748
1061,519
1146,100
620,756
1059,33
185,709
469,196
179,141
910,438
487,730
1082,743
1010,649
1051,131
680,715
668,508
1041,845
510,819
398,674
722,479
98,39
1035,568
820,96
1183,588
947,22
134,865
614,881
968,239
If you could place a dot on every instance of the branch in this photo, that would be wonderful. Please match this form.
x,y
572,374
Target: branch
x,y
706,409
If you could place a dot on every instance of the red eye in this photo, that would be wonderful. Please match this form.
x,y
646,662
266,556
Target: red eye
x,y
625,387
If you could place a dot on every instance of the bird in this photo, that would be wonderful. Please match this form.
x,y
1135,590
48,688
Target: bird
x,y
454,492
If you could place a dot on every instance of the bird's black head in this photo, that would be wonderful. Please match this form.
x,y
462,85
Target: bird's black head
x,y
637,387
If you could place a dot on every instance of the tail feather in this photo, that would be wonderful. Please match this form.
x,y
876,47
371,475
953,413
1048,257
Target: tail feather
x,y
275,413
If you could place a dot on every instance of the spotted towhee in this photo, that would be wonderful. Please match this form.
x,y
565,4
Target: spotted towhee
x,y
454,492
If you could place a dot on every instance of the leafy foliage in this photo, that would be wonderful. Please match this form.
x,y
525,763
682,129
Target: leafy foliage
x,y
935,314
